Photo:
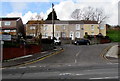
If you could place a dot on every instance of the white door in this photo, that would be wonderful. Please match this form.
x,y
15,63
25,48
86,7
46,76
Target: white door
x,y
72,35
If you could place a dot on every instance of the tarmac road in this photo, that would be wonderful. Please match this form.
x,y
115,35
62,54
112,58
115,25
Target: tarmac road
x,y
76,62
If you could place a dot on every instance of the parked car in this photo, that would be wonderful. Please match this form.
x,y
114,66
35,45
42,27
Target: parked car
x,y
82,42
57,42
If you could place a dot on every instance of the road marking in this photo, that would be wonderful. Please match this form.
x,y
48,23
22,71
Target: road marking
x,y
79,74
78,53
32,66
95,78
41,58
115,77
22,67
75,61
69,65
104,52
65,73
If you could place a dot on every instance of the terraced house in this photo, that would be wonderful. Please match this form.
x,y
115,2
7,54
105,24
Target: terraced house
x,y
66,29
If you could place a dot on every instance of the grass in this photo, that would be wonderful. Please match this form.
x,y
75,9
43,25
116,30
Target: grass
x,y
114,35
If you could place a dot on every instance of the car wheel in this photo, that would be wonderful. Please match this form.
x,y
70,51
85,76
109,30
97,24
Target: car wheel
x,y
88,43
77,44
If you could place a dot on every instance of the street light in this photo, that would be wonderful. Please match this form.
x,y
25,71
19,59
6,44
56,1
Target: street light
x,y
53,19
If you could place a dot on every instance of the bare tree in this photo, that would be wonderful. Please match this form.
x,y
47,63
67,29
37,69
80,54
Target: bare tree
x,y
77,14
89,13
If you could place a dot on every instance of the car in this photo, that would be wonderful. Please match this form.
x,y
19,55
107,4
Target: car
x,y
57,42
82,42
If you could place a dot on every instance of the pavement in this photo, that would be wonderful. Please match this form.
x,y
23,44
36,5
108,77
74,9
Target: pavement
x,y
29,58
113,52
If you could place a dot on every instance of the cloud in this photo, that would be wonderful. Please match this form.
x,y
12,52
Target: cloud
x,y
25,17
65,8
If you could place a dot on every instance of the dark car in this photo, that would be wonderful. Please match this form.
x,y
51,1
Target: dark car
x,y
82,42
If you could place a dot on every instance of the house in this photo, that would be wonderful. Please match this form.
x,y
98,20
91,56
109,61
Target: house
x,y
65,29
12,26
33,27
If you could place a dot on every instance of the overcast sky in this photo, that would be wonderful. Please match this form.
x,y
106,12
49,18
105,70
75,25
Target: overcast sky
x,y
27,8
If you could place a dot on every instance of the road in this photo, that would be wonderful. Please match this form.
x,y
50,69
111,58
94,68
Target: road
x,y
75,62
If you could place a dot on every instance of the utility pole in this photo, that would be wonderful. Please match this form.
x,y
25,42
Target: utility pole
x,y
53,19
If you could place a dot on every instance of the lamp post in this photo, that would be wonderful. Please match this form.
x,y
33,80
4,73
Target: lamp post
x,y
53,19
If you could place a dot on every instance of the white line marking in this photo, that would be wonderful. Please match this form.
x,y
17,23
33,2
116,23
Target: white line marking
x,y
65,74
32,66
75,61
22,67
69,65
116,77
95,78
79,74
78,53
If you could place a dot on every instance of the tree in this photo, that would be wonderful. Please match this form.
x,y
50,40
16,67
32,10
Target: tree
x,y
77,14
38,28
89,13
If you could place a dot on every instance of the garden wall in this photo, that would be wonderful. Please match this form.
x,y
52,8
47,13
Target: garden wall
x,y
13,52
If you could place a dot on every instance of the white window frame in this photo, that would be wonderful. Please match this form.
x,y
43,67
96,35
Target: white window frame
x,y
102,27
45,28
32,27
92,27
92,33
32,34
63,34
7,23
63,27
77,34
77,26
0,24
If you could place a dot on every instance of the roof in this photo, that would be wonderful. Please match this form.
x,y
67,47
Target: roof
x,y
89,22
62,22
9,18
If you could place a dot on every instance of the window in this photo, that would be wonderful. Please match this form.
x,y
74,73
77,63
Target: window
x,y
13,30
77,27
92,33
57,33
46,34
63,27
63,34
7,23
92,27
0,24
32,34
32,27
45,27
6,30
77,34
101,27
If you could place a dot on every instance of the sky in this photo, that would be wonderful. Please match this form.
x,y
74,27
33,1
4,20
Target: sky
x,y
64,8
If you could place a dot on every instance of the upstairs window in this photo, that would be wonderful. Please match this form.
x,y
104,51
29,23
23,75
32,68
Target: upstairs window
x,y
7,23
77,27
63,27
92,27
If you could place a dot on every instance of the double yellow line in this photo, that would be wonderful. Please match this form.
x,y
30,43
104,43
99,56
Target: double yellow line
x,y
27,63
104,52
